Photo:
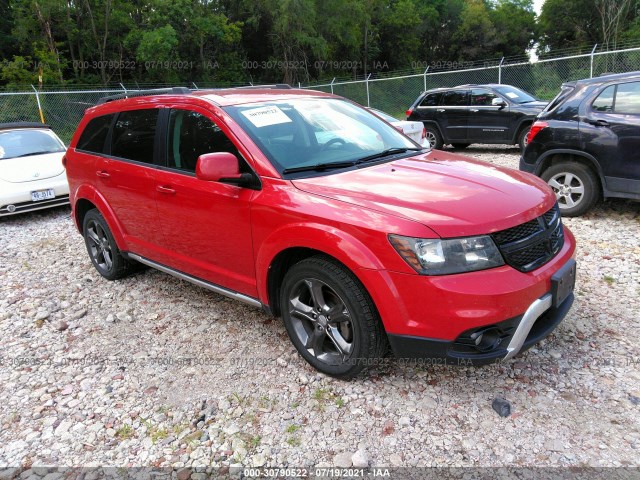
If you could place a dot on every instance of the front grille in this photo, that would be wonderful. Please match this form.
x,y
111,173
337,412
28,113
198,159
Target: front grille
x,y
532,244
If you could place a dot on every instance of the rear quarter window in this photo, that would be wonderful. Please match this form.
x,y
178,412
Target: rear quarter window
x,y
94,136
431,100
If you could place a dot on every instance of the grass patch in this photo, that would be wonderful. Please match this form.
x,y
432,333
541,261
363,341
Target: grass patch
x,y
609,280
124,432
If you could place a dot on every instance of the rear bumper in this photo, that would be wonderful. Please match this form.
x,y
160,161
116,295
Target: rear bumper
x,y
460,352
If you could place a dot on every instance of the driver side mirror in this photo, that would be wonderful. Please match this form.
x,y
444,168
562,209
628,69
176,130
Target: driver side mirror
x,y
498,102
223,167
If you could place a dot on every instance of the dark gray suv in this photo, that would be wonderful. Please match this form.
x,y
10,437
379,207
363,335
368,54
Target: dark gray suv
x,y
586,143
492,113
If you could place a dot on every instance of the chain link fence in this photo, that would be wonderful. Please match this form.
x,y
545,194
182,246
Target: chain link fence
x,y
63,110
542,78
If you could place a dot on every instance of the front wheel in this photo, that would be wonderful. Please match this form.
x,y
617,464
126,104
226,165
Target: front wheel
x,y
523,137
433,135
575,185
330,318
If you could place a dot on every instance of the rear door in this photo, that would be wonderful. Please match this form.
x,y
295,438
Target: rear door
x,y
610,131
126,179
452,115
207,225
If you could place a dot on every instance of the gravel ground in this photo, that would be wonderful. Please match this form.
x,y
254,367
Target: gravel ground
x,y
152,371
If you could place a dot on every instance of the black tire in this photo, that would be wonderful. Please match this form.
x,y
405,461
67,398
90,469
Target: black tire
x,y
460,146
576,187
522,137
434,137
103,251
336,328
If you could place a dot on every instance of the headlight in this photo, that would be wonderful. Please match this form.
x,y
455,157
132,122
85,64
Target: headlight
x,y
442,257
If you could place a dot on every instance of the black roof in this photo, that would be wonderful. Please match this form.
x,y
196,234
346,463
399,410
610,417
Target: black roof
x,y
7,126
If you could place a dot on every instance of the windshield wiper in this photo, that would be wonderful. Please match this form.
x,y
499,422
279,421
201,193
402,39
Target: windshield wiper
x,y
37,153
319,167
387,152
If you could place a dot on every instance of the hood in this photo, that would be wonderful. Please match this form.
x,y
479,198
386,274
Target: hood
x,y
32,168
453,195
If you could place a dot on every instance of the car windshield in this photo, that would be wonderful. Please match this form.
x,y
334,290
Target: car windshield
x,y
307,134
23,143
385,116
515,94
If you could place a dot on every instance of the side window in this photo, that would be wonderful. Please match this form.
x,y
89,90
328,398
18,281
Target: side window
x,y
190,135
628,98
455,98
133,135
94,135
431,100
482,97
604,102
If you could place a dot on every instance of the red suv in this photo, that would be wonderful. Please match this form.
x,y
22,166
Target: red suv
x,y
310,207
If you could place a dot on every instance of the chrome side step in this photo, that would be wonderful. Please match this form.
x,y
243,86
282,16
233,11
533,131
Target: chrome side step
x,y
201,283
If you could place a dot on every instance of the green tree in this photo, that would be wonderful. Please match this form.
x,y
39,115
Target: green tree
x,y
476,37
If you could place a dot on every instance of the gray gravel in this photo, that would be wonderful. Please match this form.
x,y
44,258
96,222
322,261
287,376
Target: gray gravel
x,y
152,371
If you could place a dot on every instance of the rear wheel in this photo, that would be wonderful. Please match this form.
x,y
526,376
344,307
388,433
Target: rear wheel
x,y
433,135
575,185
330,318
103,251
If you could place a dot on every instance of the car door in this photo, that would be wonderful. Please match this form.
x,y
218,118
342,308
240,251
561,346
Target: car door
x,y
207,225
452,115
610,131
487,123
125,178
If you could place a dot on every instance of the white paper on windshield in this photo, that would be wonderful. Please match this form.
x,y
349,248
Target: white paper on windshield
x,y
512,95
265,116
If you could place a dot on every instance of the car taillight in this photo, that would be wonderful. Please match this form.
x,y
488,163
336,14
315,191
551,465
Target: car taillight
x,y
408,113
535,128
424,133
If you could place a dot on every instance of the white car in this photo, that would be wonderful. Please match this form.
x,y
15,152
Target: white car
x,y
32,176
414,130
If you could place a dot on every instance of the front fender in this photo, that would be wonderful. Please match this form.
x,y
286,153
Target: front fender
x,y
353,253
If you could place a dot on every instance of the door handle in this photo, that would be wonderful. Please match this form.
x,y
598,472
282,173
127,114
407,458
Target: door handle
x,y
474,110
598,123
103,174
439,109
165,189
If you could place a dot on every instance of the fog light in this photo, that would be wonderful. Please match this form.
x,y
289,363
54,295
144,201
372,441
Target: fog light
x,y
11,208
486,340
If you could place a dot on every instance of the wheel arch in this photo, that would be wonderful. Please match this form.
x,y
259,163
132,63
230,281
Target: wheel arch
x,y
431,123
556,156
87,198
526,123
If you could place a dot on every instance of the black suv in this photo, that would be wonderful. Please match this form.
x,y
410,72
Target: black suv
x,y
586,143
476,114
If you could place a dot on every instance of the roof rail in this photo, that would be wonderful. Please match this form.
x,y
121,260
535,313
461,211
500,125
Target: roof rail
x,y
278,86
142,93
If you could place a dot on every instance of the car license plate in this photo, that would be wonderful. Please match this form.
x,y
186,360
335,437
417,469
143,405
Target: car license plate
x,y
40,195
563,282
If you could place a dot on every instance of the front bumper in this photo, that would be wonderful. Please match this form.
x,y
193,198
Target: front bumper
x,y
515,335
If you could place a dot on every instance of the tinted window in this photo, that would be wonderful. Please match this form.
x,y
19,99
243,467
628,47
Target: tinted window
x,y
455,98
191,135
133,135
23,143
604,102
628,98
95,134
482,97
431,100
